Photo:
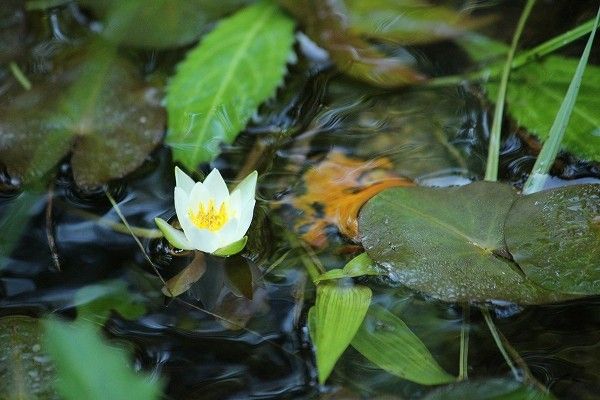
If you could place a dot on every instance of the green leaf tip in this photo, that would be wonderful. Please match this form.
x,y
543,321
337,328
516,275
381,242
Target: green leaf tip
x,y
232,249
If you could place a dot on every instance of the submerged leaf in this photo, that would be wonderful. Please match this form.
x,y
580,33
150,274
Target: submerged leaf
x,y
88,368
554,236
96,302
158,23
95,106
447,242
407,21
325,23
388,342
222,81
336,189
334,320
490,389
181,282
26,372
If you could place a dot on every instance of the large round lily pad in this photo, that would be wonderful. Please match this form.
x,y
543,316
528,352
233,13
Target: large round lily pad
x,y
447,242
555,237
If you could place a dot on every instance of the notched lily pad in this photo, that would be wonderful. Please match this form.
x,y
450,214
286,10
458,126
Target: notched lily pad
x,y
447,242
555,237
96,106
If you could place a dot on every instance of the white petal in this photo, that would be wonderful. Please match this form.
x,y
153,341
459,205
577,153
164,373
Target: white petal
x,y
199,195
247,212
183,181
247,187
203,240
235,204
216,187
228,233
181,208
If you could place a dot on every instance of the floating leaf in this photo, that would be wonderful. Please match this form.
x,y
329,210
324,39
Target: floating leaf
x,y
181,282
360,265
334,320
447,242
325,23
96,302
159,23
336,189
554,236
407,21
388,342
490,389
238,274
103,113
26,372
222,81
88,368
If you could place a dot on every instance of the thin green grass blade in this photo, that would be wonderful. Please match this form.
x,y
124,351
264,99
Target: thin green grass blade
x,y
545,159
491,169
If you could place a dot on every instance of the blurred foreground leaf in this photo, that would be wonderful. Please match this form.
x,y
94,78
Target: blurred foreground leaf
x,y
325,23
88,368
388,342
158,23
26,372
407,21
224,79
448,242
95,106
333,322
554,236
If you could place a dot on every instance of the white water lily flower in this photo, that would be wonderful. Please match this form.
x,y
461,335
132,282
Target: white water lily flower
x,y
213,220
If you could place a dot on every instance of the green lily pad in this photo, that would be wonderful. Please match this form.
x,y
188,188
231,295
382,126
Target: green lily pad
x,y
447,242
555,238
26,372
95,106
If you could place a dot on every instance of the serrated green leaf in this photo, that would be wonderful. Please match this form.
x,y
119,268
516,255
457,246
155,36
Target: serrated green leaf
x,y
224,79
388,342
333,322
89,368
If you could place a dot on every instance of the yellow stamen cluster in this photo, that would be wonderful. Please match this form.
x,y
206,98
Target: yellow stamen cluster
x,y
209,216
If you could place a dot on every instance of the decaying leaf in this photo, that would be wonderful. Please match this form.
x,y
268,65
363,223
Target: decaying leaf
x,y
94,106
336,189
326,24
181,282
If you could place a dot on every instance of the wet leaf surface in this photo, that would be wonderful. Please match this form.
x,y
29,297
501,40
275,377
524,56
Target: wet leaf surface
x,y
336,189
181,282
334,320
207,102
94,106
325,23
26,372
407,21
447,242
385,340
159,23
554,236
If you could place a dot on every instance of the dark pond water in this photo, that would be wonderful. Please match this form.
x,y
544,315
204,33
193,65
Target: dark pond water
x,y
434,136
